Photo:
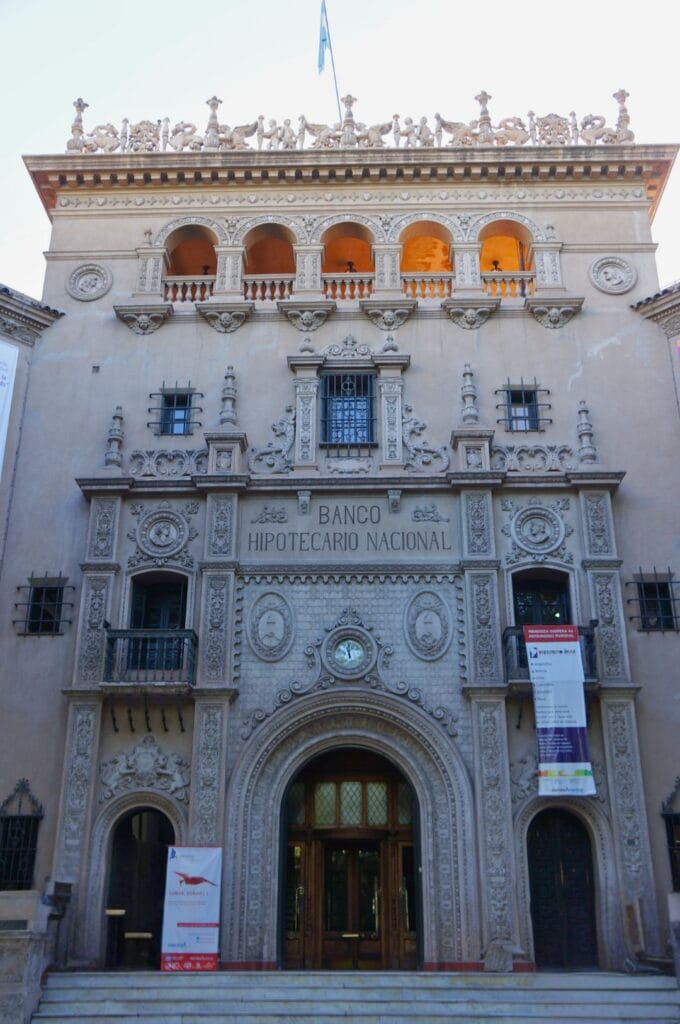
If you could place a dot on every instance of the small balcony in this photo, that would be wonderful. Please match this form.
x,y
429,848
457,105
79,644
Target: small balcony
x,y
188,288
268,288
515,654
518,285
155,657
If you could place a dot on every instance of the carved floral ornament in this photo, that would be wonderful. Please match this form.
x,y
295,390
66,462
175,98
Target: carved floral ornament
x,y
154,136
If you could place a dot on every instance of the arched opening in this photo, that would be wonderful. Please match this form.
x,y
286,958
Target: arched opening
x,y
351,898
426,266
136,888
541,598
506,260
191,264
347,265
269,262
562,888
159,648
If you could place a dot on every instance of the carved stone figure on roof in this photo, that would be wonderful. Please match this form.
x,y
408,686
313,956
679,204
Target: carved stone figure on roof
x,y
144,137
235,138
102,139
325,136
511,131
424,133
287,135
371,137
461,134
272,133
185,136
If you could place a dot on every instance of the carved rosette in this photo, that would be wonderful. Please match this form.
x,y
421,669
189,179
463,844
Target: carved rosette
x,y
103,526
427,626
145,767
270,627
605,596
485,632
162,534
220,527
599,538
205,798
89,281
95,599
477,517
215,631
537,532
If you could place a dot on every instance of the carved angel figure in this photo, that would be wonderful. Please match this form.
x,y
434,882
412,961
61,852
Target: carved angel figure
x,y
371,137
325,136
271,133
235,138
461,134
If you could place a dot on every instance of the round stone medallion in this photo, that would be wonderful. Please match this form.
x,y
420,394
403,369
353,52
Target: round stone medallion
x,y
89,281
613,275
162,534
538,530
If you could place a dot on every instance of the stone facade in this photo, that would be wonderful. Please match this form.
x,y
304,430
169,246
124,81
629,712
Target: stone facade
x,y
513,435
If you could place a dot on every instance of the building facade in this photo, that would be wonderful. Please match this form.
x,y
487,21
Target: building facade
x,y
325,422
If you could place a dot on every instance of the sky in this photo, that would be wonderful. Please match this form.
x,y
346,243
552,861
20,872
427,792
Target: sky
x,y
147,59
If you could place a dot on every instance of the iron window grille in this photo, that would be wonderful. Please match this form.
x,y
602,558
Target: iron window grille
x,y
174,413
655,600
43,609
522,409
348,412
19,837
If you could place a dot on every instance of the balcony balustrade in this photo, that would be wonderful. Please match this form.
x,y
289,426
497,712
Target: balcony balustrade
x,y
515,654
150,656
513,285
427,286
257,288
188,288
347,287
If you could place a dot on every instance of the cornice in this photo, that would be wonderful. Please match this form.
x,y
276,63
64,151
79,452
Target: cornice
x,y
24,319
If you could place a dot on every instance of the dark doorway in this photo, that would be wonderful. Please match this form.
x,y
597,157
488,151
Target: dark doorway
x,y
541,599
351,900
134,907
158,606
562,891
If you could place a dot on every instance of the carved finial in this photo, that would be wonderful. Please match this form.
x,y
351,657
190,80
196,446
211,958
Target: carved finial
x,y
114,445
623,132
483,98
349,101
587,452
485,135
75,143
469,413
212,132
228,413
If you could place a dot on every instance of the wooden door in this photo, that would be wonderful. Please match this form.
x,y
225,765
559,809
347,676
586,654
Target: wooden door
x,y
351,909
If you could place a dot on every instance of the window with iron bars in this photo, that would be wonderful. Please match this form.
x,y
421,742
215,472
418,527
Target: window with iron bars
x,y
521,407
44,606
655,600
348,410
175,411
19,837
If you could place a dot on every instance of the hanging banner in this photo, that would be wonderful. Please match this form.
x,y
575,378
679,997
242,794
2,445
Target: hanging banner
x,y
191,915
556,673
8,367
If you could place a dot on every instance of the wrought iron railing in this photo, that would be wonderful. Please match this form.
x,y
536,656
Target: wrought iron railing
x,y
515,653
150,656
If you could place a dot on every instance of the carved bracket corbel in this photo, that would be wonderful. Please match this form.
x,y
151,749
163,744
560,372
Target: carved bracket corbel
x,y
553,313
144,318
470,313
388,316
307,316
225,317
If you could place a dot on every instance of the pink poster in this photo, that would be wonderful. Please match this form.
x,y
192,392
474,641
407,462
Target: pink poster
x,y
191,915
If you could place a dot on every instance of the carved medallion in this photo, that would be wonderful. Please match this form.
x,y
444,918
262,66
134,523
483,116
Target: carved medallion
x,y
427,626
162,534
538,530
270,627
89,281
613,275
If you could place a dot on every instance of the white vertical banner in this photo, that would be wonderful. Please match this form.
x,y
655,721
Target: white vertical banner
x,y
191,913
8,368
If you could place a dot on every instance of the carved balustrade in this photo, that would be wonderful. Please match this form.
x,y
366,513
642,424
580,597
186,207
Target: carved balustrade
x,y
428,286
188,288
347,287
150,656
257,288
512,285
515,653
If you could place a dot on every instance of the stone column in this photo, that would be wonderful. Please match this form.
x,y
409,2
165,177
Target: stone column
x,y
629,821
229,277
387,262
500,931
466,267
308,283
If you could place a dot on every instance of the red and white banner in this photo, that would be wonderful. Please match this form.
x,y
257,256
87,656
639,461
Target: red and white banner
x,y
191,916
556,672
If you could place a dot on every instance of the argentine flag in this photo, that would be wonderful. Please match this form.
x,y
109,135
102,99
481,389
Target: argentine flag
x,y
324,37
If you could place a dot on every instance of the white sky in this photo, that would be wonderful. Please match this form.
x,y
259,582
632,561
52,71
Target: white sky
x,y
156,58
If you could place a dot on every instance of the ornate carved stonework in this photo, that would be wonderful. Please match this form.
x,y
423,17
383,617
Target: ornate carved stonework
x,y
533,458
627,795
89,281
84,720
271,514
305,400
103,524
428,514
613,274
205,798
144,319
95,598
349,466
274,457
606,604
422,456
390,397
220,527
271,627
225,317
427,626
553,314
162,534
307,316
214,660
388,316
537,531
146,766
168,464
477,520
484,627
469,314
599,538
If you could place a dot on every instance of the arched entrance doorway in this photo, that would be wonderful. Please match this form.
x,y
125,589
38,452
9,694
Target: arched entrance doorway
x,y
562,891
351,899
134,906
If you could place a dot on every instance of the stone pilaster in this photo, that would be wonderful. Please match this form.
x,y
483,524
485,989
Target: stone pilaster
x,y
486,663
598,526
387,260
214,667
477,532
206,822
306,396
466,266
150,265
229,277
95,610
548,265
308,271
103,529
607,605
391,390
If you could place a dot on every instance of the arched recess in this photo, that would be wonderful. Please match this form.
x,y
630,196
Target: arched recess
x,y
429,761
269,250
506,247
426,247
92,933
515,221
449,225
190,251
347,249
609,923
212,226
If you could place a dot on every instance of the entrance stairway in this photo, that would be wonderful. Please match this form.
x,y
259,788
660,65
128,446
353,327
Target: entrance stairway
x,y
357,998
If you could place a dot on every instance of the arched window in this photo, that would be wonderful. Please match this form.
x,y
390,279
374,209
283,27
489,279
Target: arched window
x,y
426,265
269,262
191,264
347,266
506,260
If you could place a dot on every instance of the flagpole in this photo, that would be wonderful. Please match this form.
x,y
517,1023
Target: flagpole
x,y
330,47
